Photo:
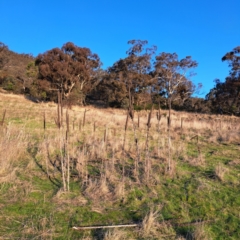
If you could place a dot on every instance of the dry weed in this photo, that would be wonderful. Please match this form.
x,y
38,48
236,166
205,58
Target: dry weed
x,y
152,228
150,224
13,146
179,150
115,234
173,169
43,229
200,233
119,190
198,161
110,172
97,189
220,171
231,137
234,162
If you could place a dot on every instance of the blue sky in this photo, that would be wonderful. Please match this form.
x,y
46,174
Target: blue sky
x,y
203,29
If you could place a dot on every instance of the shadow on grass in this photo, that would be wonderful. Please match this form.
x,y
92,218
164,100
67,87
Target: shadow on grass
x,y
33,151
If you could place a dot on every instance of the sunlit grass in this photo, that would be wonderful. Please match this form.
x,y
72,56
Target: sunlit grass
x,y
200,198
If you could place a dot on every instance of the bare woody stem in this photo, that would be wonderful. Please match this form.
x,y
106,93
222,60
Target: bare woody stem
x,y
147,159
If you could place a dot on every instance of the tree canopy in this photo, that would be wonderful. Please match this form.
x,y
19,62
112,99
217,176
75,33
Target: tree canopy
x,y
67,68
142,78
130,74
172,77
225,96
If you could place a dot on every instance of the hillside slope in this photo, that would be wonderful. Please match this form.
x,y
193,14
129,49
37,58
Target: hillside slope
x,y
92,172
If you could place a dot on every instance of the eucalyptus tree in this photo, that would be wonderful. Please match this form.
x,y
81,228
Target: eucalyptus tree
x,y
232,83
67,68
233,59
172,77
225,96
132,72
172,80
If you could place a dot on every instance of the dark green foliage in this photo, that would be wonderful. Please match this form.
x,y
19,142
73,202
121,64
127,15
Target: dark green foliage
x,y
132,73
113,93
225,96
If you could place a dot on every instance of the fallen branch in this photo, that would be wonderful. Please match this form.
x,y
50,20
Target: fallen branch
x,y
107,226
137,225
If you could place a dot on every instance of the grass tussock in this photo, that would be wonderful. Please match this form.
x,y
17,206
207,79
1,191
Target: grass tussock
x,y
200,233
150,224
116,234
98,190
152,227
220,171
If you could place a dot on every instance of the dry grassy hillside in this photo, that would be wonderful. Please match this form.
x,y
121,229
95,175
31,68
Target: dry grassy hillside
x,y
95,170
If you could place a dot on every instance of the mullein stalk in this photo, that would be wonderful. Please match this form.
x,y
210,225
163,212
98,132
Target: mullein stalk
x,y
147,159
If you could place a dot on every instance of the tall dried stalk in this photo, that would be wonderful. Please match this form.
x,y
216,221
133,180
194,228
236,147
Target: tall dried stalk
x,y
59,111
125,132
105,135
80,125
82,165
59,123
138,121
94,127
158,127
4,114
137,159
123,147
73,124
62,162
169,142
59,119
61,107
67,167
67,121
147,159
182,123
84,118
44,122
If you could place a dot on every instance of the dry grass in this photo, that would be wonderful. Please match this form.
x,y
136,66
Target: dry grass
x,y
109,152
152,228
150,224
119,190
220,171
100,169
200,233
13,147
235,162
98,190
116,234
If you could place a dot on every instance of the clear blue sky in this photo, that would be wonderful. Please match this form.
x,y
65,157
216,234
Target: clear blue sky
x,y
203,29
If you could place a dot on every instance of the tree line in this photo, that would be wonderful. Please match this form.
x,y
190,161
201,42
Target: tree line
x,y
143,78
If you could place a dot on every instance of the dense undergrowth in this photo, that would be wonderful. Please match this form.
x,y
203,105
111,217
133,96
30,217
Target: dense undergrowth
x,y
198,198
